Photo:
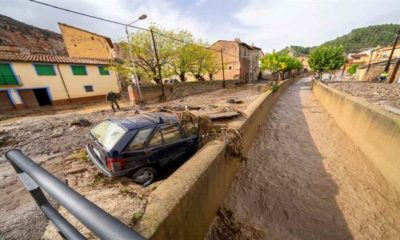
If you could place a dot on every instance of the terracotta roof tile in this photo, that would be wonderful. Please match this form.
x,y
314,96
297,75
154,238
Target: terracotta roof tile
x,y
46,58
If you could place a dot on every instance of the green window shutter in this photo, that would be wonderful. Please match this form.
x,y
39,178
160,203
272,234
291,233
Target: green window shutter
x,y
79,70
7,76
45,70
103,71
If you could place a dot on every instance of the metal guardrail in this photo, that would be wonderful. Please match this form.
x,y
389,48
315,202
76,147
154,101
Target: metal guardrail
x,y
35,178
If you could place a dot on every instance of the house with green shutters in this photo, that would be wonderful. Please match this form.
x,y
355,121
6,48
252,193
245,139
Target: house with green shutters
x,y
33,80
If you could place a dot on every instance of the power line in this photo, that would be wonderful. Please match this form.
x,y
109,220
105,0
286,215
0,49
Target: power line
x,y
87,15
127,25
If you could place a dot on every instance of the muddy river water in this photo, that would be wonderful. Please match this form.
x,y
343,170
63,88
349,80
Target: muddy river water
x,y
305,179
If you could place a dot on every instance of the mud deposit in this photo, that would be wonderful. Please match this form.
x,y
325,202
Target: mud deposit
x,y
55,142
305,179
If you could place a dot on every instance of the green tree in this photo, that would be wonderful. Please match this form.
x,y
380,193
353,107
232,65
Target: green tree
x,y
179,53
280,63
326,59
143,52
204,62
212,64
352,69
273,63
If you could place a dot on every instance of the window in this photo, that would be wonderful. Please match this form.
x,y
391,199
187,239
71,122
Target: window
x,y
108,134
140,139
171,134
45,70
7,76
157,139
230,68
78,70
88,88
103,71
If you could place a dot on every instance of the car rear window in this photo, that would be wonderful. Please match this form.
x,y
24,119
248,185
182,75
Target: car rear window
x,y
108,134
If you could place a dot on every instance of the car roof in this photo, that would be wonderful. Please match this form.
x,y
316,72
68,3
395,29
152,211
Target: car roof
x,y
145,120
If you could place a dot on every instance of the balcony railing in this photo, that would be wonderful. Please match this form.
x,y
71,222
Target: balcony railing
x,y
9,80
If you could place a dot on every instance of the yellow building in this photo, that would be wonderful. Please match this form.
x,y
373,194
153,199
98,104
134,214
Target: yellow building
x,y
84,44
382,54
304,60
31,80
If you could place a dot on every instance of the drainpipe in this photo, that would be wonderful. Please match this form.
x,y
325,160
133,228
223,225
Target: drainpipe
x,y
65,86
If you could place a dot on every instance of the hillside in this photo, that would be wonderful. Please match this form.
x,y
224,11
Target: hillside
x,y
362,38
13,32
357,40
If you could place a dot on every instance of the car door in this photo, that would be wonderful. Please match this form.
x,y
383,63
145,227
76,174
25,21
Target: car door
x,y
135,152
175,145
155,150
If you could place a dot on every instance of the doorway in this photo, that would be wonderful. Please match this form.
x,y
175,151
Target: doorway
x,y
42,96
34,97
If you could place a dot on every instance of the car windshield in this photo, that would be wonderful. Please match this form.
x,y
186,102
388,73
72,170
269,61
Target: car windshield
x,y
108,134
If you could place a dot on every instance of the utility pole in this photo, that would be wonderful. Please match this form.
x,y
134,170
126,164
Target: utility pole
x,y
387,67
369,61
158,64
394,73
223,69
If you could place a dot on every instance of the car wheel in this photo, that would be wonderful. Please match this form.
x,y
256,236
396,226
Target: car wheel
x,y
144,176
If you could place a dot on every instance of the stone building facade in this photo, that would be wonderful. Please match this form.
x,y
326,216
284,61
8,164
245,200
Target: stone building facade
x,y
241,61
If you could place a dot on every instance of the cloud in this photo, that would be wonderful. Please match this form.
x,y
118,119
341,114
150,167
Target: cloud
x,y
276,24
269,24
163,12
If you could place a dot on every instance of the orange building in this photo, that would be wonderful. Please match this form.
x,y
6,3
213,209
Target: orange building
x,y
241,61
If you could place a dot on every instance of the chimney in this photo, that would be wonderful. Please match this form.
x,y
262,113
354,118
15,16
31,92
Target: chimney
x,y
238,40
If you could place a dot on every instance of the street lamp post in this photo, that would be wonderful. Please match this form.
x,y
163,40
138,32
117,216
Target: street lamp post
x,y
135,80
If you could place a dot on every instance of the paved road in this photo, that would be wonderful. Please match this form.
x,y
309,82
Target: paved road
x,y
305,179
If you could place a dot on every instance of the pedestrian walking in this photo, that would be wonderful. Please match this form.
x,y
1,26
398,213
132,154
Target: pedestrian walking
x,y
112,98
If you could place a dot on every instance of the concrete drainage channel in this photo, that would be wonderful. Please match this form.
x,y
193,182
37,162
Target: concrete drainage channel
x,y
375,131
185,204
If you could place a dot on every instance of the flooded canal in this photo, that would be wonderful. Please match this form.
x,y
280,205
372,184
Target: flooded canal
x,y
305,179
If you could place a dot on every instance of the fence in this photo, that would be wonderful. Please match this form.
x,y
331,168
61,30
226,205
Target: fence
x,y
152,93
372,72
102,224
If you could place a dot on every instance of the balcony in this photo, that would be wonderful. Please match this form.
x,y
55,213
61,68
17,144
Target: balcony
x,y
10,80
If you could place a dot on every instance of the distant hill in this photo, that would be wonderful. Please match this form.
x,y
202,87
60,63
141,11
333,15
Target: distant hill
x,y
368,37
297,50
357,40
22,35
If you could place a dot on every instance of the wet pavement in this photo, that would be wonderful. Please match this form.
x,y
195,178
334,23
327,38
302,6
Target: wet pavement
x,y
305,179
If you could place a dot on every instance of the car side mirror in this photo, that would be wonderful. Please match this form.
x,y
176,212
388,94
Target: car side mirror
x,y
114,154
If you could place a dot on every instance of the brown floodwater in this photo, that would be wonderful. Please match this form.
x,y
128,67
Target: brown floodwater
x,y
305,179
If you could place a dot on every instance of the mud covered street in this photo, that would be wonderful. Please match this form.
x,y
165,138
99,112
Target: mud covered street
x,y
56,141
305,179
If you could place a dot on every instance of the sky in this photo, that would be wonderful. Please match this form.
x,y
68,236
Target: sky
x,y
269,24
